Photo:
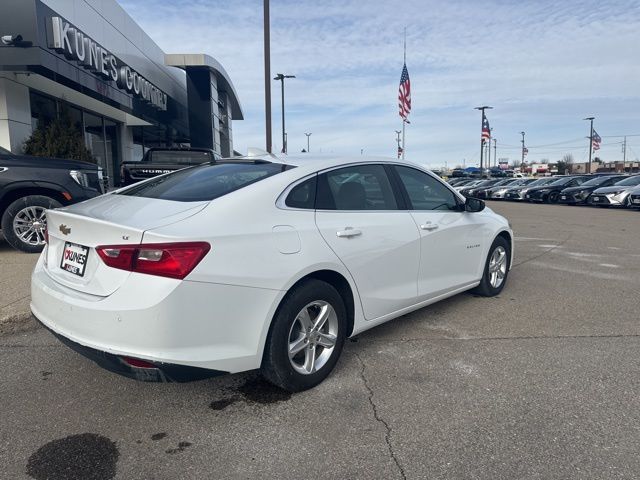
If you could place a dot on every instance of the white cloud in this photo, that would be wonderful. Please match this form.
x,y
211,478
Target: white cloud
x,y
542,65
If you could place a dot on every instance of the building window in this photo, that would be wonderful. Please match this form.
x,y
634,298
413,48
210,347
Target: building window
x,y
137,150
101,134
94,139
111,150
43,110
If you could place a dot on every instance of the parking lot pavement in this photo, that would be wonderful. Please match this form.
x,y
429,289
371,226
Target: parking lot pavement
x,y
539,382
16,270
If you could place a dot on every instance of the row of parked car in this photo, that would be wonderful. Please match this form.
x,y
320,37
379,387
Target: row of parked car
x,y
602,190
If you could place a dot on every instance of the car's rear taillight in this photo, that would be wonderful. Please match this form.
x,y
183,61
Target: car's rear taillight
x,y
173,260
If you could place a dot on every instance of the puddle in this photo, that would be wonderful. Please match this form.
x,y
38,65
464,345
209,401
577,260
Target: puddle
x,y
83,457
258,390
254,391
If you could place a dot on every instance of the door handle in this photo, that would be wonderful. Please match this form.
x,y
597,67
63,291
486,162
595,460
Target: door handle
x,y
429,226
348,232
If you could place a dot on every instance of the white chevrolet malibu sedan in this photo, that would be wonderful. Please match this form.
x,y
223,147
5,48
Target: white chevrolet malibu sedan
x,y
262,263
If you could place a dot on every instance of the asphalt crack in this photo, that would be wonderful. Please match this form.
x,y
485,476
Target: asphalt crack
x,y
379,419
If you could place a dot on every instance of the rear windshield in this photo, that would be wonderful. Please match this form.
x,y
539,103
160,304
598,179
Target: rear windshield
x,y
205,182
181,157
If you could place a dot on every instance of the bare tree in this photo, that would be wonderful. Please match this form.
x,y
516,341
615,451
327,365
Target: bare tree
x,y
568,158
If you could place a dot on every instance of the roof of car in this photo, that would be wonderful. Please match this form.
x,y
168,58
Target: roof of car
x,y
320,162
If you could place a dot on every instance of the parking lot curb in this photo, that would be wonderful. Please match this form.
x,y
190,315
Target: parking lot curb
x,y
17,323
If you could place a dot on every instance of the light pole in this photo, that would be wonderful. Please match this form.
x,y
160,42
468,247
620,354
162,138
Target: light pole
x,y
489,149
398,132
522,161
495,152
590,140
267,76
308,135
281,77
482,109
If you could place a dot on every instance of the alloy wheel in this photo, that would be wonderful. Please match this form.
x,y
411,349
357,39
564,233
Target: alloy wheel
x,y
497,266
29,225
312,337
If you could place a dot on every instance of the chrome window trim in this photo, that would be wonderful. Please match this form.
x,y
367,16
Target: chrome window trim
x,y
280,201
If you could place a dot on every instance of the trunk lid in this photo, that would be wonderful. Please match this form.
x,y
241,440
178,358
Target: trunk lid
x,y
75,231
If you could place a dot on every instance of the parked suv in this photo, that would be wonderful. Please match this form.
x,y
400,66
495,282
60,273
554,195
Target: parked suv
x,y
158,161
31,185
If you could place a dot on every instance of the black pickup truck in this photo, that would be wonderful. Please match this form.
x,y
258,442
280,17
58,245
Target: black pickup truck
x,y
31,185
157,161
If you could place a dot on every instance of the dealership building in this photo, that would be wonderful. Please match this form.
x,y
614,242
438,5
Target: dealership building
x,y
88,60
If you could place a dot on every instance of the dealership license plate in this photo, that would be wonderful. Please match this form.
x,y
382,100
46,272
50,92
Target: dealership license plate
x,y
528,196
563,197
596,199
636,200
74,258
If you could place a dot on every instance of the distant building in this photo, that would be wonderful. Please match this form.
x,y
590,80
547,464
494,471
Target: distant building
x,y
123,93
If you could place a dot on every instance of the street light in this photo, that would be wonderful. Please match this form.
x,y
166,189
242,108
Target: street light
x,y
308,135
522,161
591,119
281,77
267,75
482,109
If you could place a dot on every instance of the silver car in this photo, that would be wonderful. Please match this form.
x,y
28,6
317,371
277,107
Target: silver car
x,y
498,192
616,195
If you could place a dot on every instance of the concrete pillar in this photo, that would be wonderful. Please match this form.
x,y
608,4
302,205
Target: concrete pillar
x,y
15,114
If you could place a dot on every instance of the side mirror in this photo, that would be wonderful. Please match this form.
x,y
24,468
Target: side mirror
x,y
474,205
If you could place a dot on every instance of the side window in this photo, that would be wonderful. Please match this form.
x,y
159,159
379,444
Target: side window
x,y
425,192
303,195
361,187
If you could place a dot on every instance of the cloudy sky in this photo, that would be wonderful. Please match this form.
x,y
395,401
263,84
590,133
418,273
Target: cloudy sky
x,y
543,66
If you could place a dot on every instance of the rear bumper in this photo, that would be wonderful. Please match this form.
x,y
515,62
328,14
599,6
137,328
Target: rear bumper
x,y
194,324
162,372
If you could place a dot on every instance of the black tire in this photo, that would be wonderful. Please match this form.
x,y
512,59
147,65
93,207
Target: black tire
x,y
10,235
276,366
553,197
485,288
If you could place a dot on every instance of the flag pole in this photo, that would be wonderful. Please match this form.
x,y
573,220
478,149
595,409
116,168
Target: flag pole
x,y
404,120
403,124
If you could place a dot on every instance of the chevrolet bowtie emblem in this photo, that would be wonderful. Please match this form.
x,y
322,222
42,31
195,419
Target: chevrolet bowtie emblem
x,y
64,229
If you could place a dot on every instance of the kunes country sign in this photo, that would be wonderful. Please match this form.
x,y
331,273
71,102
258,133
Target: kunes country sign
x,y
75,45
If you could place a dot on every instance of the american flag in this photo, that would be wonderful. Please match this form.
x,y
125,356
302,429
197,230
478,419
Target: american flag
x,y
595,141
404,93
486,131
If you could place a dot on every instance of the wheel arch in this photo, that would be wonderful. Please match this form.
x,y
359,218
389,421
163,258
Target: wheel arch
x,y
338,281
508,236
25,190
